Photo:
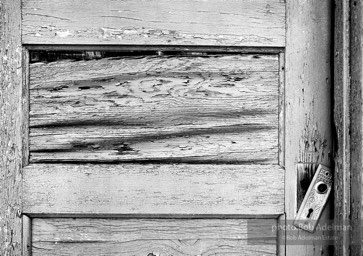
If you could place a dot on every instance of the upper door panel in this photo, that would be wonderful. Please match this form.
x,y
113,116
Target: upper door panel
x,y
214,109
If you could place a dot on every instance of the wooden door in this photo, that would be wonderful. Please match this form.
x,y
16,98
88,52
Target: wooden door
x,y
171,127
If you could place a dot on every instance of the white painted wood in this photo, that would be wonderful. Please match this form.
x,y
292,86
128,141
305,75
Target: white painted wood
x,y
12,126
183,109
153,237
308,104
172,22
250,190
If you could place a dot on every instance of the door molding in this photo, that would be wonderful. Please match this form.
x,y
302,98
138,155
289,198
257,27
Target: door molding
x,y
348,125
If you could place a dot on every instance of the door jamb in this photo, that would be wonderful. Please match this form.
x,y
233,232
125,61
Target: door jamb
x,y
348,126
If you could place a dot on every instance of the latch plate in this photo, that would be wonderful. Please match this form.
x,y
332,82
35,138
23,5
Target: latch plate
x,y
315,199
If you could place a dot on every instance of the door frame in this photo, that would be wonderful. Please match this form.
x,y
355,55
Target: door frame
x,y
347,24
348,124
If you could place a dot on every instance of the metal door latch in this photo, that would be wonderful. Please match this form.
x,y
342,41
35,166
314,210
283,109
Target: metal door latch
x,y
315,199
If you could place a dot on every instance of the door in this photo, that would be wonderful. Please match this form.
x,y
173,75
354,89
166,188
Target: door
x,y
172,127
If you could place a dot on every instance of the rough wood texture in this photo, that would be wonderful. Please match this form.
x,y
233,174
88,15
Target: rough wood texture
x,y
179,109
51,48
154,189
153,237
281,235
341,119
25,107
348,123
177,22
308,102
10,128
356,126
281,108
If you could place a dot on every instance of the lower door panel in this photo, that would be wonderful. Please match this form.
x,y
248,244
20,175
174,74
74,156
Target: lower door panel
x,y
154,237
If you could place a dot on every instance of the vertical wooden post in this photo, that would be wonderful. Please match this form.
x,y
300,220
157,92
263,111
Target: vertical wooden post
x,y
341,119
348,124
308,104
10,128
356,73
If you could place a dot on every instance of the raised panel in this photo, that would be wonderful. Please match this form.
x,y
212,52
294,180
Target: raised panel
x,y
146,237
215,108
171,22
158,190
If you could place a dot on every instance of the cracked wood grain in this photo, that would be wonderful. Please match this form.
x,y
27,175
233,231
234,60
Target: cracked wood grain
x,y
148,189
159,237
178,109
177,22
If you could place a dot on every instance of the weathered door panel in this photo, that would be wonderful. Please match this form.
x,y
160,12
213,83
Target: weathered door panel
x,y
84,236
215,109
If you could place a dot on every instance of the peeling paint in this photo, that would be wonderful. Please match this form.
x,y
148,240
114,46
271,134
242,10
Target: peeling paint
x,y
312,144
63,33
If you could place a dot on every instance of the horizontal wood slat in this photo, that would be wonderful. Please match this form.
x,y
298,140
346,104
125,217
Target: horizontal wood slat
x,y
172,22
249,190
184,109
153,237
